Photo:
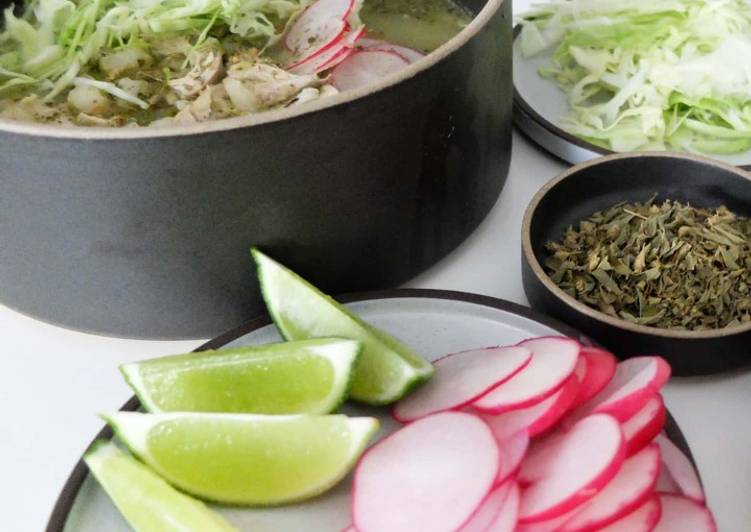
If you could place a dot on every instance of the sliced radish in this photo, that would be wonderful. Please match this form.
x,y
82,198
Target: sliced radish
x,y
596,367
628,490
642,427
484,517
680,468
643,519
430,475
551,525
635,382
331,57
322,48
513,450
537,418
665,483
586,458
505,521
317,26
365,67
553,361
681,514
408,54
460,378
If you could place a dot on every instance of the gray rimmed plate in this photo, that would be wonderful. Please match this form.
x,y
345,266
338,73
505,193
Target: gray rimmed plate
x,y
540,106
435,322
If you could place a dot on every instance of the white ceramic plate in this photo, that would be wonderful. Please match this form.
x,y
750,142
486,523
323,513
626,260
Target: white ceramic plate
x,y
433,322
539,106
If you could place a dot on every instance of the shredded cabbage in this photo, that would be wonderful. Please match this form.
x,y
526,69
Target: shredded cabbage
x,y
53,40
649,74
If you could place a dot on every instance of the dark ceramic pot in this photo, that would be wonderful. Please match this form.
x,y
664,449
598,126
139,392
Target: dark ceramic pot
x,y
599,184
146,232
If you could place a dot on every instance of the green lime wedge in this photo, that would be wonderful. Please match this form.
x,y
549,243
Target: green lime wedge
x,y
146,501
386,370
307,377
246,458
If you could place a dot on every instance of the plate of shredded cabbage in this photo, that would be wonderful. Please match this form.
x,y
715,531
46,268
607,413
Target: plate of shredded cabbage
x,y
601,76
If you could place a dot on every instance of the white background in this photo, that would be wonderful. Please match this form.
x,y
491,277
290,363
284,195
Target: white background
x,y
53,381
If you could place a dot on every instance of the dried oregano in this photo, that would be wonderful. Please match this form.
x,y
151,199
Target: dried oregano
x,y
669,266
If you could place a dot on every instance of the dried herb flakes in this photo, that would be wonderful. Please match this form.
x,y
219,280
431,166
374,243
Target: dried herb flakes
x,y
669,266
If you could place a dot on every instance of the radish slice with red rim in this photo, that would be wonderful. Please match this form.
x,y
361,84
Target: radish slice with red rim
x,y
408,54
460,378
331,57
484,517
432,474
628,490
365,67
506,519
642,427
643,519
513,450
553,362
680,469
635,382
317,26
537,418
597,367
585,459
681,514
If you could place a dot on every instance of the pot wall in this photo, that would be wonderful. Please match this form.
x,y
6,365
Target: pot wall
x,y
150,237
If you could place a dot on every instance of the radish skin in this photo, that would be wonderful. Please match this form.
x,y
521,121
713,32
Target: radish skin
x,y
460,378
635,382
553,362
506,519
681,514
444,465
641,428
485,516
317,26
643,519
584,460
627,491
537,418
598,369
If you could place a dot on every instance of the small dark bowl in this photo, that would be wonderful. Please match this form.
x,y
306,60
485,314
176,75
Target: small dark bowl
x,y
595,185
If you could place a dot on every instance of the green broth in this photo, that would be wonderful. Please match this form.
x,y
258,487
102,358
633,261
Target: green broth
x,y
419,24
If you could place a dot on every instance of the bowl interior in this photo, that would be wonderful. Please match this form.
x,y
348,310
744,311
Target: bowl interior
x,y
602,184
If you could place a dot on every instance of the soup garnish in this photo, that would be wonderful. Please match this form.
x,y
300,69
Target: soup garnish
x,y
164,62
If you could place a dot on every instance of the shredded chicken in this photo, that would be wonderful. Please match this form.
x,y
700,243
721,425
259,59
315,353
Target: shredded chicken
x,y
208,68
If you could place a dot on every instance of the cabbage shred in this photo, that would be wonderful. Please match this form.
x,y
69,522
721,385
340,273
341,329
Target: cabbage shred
x,y
649,74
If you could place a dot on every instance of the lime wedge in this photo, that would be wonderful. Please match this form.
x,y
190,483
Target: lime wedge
x,y
246,458
310,377
386,370
146,501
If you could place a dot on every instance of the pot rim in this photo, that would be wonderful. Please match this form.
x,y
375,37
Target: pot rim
x,y
277,115
580,308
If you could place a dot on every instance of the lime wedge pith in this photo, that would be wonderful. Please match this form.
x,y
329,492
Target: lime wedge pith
x,y
386,369
146,501
311,376
246,458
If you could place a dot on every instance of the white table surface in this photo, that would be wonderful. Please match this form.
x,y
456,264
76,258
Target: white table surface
x,y
53,381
